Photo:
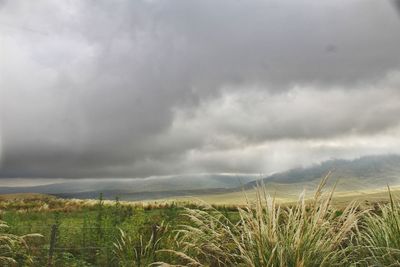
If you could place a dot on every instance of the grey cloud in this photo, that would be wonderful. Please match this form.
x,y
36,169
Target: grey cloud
x,y
396,4
93,88
252,117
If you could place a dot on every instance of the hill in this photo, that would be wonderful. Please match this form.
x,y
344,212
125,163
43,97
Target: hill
x,y
357,176
361,173
364,178
138,189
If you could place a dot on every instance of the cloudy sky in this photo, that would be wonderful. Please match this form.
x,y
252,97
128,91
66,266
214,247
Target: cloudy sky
x,y
141,88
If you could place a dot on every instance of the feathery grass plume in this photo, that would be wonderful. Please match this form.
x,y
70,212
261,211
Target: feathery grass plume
x,y
379,238
131,252
16,250
304,234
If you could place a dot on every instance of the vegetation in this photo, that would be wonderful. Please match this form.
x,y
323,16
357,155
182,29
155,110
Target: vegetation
x,y
304,234
379,238
131,252
263,232
16,249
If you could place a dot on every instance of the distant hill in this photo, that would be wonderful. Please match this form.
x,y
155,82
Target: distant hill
x,y
368,172
364,172
145,195
136,189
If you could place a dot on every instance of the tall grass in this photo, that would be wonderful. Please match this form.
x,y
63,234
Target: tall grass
x,y
137,252
309,232
16,250
379,238
267,234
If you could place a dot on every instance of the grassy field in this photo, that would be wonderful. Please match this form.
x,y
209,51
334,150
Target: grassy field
x,y
86,229
289,193
312,229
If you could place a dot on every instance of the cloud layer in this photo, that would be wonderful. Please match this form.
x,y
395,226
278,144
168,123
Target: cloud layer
x,y
140,88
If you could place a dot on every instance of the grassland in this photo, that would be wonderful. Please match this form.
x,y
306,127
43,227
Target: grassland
x,y
289,193
246,228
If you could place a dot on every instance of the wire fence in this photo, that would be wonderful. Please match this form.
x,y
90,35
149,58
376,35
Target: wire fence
x,y
90,244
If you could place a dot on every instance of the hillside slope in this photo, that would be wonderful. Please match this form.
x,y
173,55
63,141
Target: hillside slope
x,y
362,173
358,175
141,188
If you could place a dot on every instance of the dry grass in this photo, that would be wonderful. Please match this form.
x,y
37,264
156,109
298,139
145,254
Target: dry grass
x,y
379,238
129,251
304,234
13,247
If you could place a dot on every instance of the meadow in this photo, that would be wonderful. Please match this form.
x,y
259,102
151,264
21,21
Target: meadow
x,y
318,229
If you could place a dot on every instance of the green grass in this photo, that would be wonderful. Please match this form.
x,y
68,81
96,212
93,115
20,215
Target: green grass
x,y
87,230
316,229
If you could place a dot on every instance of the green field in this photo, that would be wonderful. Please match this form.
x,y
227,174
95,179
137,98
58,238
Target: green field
x,y
288,193
119,233
86,230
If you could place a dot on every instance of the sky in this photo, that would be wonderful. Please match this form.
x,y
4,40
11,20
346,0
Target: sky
x,y
144,88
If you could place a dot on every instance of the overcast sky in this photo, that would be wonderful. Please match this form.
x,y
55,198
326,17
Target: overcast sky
x,y
159,87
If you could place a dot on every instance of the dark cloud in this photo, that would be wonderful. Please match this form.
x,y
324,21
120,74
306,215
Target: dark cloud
x,y
102,89
396,4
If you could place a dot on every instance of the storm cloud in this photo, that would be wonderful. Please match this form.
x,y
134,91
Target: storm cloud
x,y
142,88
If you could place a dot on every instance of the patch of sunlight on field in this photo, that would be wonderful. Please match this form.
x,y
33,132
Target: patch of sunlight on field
x,y
283,193
288,194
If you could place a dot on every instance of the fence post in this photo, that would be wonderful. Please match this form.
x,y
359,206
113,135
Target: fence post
x,y
154,237
53,237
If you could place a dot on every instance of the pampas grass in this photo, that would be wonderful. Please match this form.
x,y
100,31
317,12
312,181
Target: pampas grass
x,y
136,252
15,250
267,234
379,238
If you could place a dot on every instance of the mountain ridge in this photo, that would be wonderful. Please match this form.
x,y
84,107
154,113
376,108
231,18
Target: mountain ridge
x,y
377,170
356,174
